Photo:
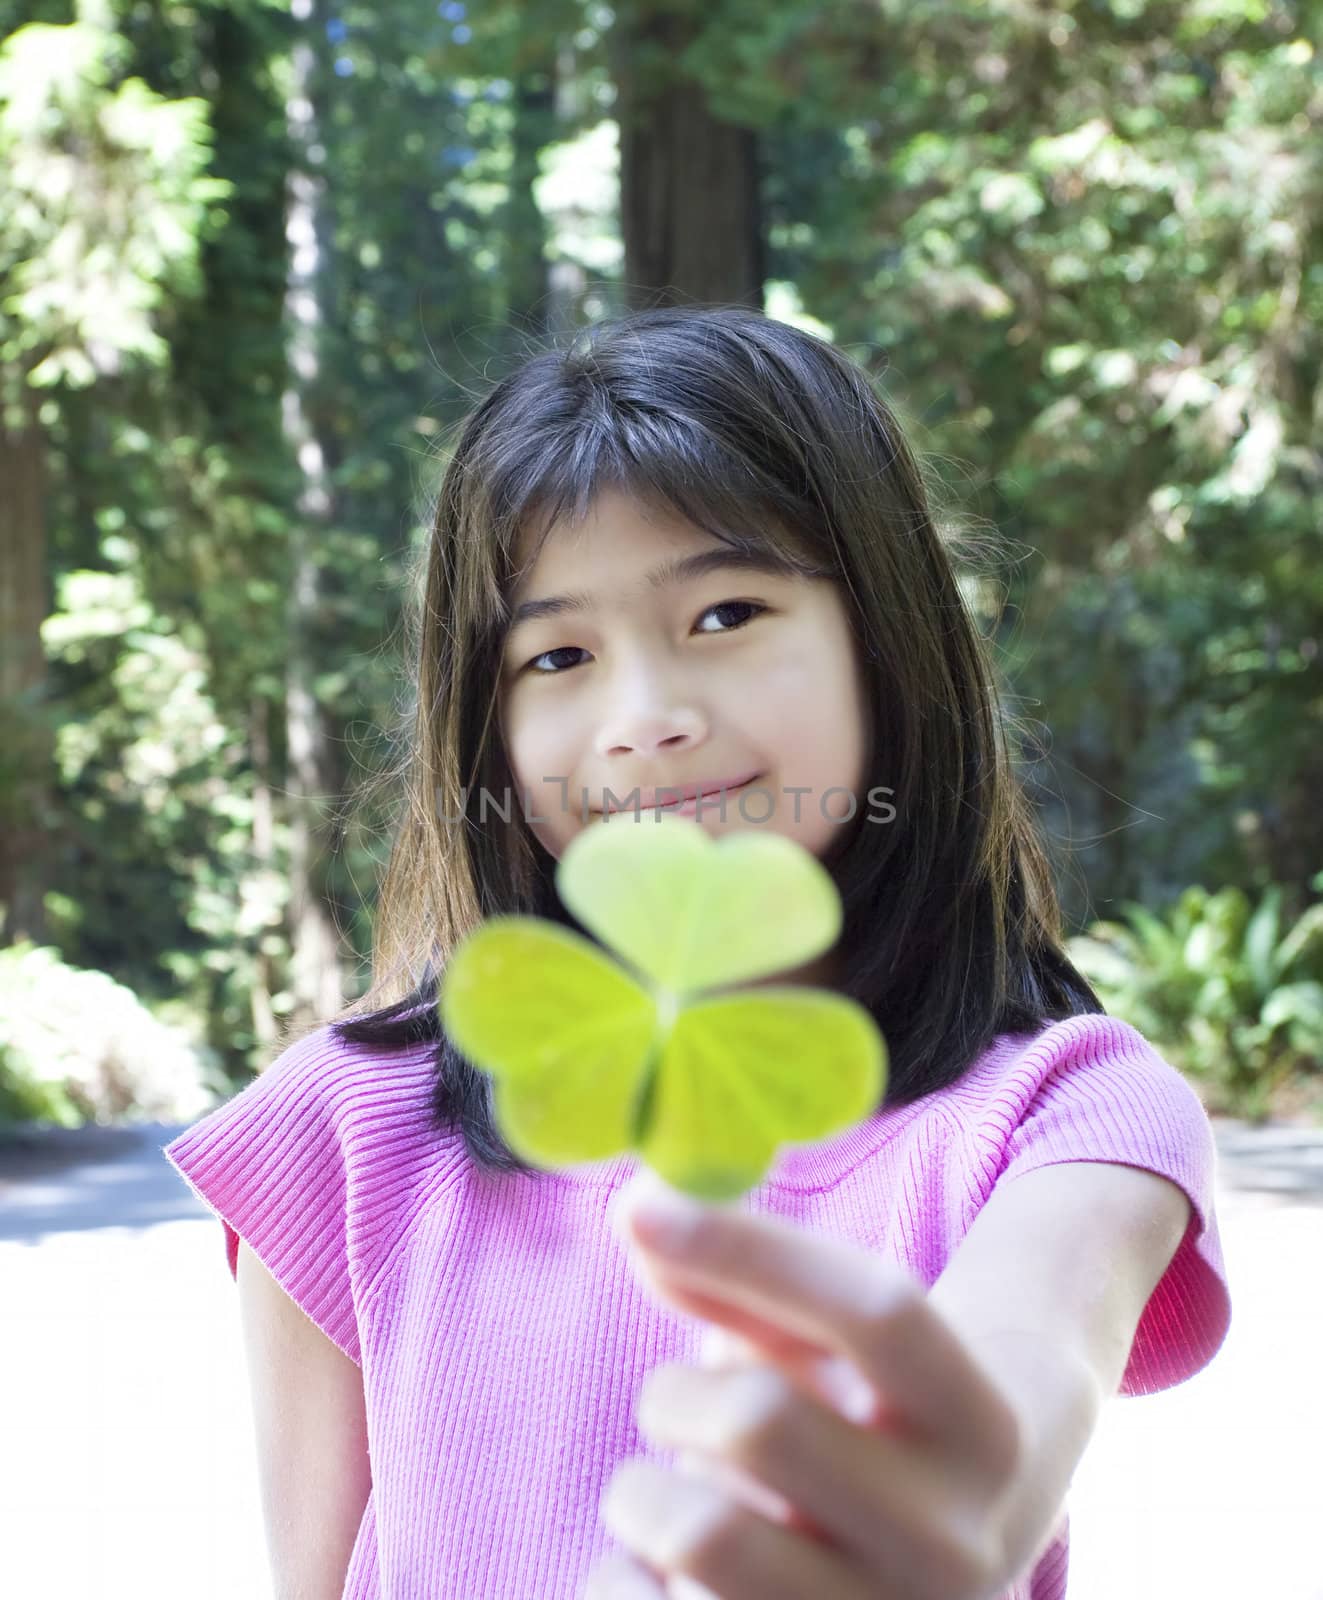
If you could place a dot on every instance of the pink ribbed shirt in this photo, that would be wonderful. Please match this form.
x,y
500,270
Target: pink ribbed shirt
x,y
503,1335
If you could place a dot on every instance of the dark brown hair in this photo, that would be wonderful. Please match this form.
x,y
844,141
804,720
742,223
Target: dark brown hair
x,y
758,433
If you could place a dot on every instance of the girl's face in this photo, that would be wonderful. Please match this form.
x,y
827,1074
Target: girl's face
x,y
708,679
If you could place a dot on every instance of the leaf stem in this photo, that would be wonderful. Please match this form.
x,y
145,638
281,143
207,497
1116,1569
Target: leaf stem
x,y
668,1008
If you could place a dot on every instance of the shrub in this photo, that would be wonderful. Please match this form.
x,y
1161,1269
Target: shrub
x,y
75,1047
1228,995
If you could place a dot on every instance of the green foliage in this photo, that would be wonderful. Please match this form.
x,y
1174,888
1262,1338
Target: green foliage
x,y
104,192
78,1047
161,877
1219,985
1085,245
592,1058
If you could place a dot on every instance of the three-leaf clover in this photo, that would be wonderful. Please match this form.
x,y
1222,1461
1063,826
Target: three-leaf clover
x,y
593,1057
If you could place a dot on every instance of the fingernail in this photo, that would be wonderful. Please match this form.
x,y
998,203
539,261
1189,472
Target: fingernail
x,y
664,1218
846,1388
719,1348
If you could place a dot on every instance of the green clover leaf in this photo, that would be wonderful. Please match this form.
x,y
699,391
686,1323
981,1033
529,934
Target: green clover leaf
x,y
593,1058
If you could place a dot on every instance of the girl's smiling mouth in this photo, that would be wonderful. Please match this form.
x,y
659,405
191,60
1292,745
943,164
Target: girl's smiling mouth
x,y
711,797
680,797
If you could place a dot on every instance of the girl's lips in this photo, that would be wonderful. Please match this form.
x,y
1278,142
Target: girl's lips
x,y
710,802
646,799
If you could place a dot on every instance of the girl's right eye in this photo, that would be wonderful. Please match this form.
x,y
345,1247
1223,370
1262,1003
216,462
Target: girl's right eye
x,y
543,672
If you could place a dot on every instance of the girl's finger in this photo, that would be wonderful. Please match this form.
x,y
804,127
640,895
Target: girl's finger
x,y
895,1507
823,1291
691,1295
695,1529
722,1351
734,1337
618,1576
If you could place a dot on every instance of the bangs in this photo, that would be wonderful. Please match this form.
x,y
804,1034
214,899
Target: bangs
x,y
673,465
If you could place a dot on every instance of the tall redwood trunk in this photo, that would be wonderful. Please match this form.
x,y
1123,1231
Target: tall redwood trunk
x,y
690,212
315,980
27,747
265,1027
528,302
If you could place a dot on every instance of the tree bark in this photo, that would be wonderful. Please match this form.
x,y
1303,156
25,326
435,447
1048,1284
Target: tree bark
x,y
27,753
315,978
265,1028
527,301
690,211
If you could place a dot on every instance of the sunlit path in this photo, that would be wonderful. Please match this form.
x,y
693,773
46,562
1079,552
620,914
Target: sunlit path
x,y
130,1469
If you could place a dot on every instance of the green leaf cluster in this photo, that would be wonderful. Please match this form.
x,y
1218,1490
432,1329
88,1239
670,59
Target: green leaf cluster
x,y
662,1051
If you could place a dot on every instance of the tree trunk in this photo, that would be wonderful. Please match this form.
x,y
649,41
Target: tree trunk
x,y
265,1029
527,303
567,280
26,739
690,211
315,980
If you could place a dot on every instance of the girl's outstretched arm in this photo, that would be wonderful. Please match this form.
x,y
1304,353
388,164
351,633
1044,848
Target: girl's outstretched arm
x,y
979,1397
311,1430
1048,1286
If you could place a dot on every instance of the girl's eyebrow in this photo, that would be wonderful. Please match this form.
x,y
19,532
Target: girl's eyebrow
x,y
679,569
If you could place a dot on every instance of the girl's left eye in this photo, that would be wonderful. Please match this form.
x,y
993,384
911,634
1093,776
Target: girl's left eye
x,y
727,605
753,606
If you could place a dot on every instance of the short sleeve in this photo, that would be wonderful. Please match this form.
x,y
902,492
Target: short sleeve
x,y
1094,1089
273,1162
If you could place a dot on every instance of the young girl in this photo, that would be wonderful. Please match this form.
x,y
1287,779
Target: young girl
x,y
692,552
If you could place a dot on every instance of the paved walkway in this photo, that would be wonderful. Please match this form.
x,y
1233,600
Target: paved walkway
x,y
129,1471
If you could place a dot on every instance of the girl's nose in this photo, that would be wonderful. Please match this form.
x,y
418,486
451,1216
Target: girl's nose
x,y
648,732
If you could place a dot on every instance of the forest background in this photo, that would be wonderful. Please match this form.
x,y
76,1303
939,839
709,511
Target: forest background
x,y
256,259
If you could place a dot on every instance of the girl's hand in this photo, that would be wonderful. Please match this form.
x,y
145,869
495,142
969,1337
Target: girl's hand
x,y
889,1454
